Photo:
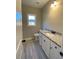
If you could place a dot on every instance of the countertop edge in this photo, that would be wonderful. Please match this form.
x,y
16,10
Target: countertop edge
x,y
51,40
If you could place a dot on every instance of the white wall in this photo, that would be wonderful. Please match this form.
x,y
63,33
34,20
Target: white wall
x,y
28,31
19,36
53,17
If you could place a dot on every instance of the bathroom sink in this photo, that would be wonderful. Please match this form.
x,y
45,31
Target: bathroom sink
x,y
49,34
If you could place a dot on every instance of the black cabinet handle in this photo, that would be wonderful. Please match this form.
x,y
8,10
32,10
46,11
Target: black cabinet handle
x,y
55,47
61,54
44,40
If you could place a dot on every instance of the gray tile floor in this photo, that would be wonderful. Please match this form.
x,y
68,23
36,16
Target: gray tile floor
x,y
33,50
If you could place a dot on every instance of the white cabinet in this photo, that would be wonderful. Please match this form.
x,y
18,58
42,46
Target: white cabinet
x,y
55,52
43,43
46,45
52,50
40,39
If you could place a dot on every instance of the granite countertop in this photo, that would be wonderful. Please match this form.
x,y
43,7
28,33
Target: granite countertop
x,y
57,39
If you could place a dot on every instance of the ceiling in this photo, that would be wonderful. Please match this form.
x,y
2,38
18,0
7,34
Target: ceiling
x,y
35,3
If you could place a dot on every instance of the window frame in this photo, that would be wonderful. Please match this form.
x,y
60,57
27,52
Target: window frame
x,y
31,20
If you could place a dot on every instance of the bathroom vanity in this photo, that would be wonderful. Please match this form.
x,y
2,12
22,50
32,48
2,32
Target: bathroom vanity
x,y
51,44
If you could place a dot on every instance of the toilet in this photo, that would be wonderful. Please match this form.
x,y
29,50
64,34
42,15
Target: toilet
x,y
36,35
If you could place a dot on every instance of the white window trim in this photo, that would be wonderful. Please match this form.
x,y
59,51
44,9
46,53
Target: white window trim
x,y
28,19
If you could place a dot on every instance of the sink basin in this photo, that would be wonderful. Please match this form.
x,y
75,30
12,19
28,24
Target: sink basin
x,y
49,34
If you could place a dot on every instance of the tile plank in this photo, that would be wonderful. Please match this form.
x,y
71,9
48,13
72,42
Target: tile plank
x,y
33,50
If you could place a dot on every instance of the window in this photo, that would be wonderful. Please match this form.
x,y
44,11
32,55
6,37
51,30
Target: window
x,y
31,20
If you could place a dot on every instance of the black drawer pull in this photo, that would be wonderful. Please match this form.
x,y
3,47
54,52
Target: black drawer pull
x,y
55,47
44,40
61,54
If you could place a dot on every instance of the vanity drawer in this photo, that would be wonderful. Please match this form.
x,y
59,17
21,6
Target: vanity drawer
x,y
56,47
55,51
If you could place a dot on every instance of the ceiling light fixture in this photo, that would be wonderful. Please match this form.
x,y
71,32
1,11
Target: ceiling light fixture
x,y
54,4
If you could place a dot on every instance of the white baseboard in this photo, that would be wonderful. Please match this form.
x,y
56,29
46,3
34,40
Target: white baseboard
x,y
19,44
19,50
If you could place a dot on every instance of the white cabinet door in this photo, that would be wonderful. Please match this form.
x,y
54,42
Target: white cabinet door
x,y
40,39
43,43
55,52
52,52
46,45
